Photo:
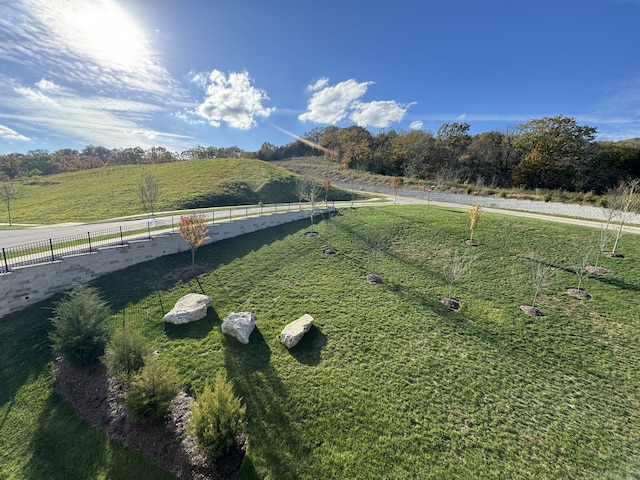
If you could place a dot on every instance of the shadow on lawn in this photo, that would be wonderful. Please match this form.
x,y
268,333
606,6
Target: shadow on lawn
x,y
162,273
274,441
83,452
308,350
25,348
193,330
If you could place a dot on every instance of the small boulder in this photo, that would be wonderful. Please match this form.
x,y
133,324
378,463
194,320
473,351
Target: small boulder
x,y
189,308
293,332
239,325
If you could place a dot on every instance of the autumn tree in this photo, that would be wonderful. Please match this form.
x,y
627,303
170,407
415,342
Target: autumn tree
x,y
194,230
396,183
475,213
555,148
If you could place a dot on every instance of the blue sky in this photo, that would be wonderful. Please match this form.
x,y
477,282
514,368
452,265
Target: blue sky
x,y
180,73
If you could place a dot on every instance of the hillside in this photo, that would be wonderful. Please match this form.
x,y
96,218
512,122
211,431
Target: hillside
x,y
110,192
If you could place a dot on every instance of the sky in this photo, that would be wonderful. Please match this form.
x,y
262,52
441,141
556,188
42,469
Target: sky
x,y
181,73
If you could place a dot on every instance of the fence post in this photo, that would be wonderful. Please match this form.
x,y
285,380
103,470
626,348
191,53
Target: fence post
x,y
121,238
213,216
149,229
53,258
89,237
6,265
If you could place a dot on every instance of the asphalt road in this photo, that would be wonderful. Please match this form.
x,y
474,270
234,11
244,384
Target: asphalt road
x,y
22,236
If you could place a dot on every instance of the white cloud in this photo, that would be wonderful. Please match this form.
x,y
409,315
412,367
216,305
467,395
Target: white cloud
x,y
379,114
331,104
104,121
6,132
416,125
232,100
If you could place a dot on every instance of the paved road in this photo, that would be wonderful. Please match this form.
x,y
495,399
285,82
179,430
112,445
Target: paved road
x,y
23,236
10,238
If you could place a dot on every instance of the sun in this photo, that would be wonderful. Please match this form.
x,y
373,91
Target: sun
x,y
102,31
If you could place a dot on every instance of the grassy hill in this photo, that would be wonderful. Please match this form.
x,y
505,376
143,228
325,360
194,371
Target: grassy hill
x,y
388,383
109,192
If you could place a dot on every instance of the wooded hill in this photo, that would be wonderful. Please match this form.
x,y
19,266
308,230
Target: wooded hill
x,y
551,152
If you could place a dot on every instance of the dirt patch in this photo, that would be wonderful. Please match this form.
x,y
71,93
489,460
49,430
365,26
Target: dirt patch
x,y
329,251
450,303
374,278
533,311
311,234
472,243
597,270
613,255
579,293
192,273
96,396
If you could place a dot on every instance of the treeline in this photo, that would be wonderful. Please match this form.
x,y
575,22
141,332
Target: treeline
x,y
43,162
551,152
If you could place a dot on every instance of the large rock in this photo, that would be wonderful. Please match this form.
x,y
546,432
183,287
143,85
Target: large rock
x,y
189,308
239,325
293,333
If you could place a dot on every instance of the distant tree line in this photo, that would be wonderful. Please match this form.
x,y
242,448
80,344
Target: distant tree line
x,y
550,152
43,162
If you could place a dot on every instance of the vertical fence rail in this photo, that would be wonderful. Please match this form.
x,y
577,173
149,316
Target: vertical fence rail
x,y
46,251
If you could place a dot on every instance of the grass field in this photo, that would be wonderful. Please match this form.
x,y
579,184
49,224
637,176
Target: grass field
x,y
388,383
107,192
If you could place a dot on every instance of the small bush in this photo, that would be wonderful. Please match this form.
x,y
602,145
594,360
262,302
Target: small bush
x,y
151,390
79,325
218,417
125,353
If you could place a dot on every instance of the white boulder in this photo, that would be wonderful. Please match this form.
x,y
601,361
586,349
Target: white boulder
x,y
239,325
189,308
293,332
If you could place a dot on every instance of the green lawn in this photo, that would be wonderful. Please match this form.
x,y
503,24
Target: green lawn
x,y
388,383
94,195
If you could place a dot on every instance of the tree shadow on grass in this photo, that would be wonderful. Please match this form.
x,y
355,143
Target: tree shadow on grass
x,y
194,330
83,452
164,272
26,348
308,350
275,442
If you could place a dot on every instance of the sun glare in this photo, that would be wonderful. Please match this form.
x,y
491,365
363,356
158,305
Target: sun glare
x,y
101,30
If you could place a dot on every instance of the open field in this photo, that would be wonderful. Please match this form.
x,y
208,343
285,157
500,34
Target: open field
x,y
108,192
389,383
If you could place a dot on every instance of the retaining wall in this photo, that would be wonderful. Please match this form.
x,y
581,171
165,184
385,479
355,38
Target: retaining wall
x,y
24,286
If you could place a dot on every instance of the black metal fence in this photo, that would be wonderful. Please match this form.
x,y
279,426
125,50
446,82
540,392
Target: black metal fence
x,y
54,249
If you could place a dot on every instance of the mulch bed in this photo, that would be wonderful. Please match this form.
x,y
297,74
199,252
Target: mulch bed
x,y
579,293
450,303
96,396
533,311
374,278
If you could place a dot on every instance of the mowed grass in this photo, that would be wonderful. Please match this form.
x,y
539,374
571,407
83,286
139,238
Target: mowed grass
x,y
107,192
388,383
